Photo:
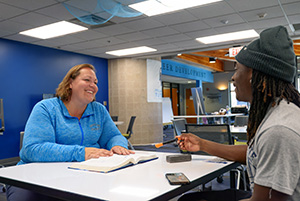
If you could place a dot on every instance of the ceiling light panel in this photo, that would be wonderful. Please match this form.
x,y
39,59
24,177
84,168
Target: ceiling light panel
x,y
228,36
154,7
54,30
130,51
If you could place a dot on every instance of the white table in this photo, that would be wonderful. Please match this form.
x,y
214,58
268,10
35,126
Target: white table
x,y
207,116
140,182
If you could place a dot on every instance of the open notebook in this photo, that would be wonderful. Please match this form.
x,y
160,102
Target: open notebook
x,y
112,163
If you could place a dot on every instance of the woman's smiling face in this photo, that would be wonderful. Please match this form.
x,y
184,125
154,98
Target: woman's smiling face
x,y
84,86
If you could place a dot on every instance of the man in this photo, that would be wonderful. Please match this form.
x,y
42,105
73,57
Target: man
x,y
263,76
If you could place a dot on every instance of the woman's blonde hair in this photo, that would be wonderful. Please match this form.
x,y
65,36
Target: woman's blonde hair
x,y
64,91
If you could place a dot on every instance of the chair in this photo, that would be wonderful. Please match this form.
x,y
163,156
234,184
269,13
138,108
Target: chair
x,y
129,131
114,118
215,132
179,126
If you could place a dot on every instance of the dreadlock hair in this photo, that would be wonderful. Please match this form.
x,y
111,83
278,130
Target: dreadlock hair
x,y
266,90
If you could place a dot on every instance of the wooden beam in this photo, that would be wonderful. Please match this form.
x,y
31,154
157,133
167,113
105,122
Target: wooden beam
x,y
218,66
297,49
221,54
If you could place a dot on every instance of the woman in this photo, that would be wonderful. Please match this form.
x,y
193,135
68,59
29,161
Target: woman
x,y
70,127
264,74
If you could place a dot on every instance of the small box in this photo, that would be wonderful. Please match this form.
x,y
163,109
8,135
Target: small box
x,y
179,158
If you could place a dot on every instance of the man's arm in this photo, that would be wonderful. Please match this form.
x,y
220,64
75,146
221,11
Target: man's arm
x,y
191,142
229,152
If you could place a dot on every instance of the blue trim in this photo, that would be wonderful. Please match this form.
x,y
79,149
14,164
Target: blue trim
x,y
173,68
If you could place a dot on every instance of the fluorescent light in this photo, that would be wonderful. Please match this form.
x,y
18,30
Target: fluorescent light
x,y
54,30
154,7
228,36
129,51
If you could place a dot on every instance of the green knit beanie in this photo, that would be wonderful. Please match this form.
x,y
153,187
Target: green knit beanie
x,y
272,54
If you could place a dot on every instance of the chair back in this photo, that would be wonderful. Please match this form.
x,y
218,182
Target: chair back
x,y
214,132
130,126
240,121
114,118
179,126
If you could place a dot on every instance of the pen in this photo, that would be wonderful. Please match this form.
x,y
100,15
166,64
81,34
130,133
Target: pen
x,y
158,145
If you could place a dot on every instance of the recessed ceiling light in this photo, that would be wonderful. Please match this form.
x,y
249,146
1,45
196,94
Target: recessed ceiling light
x,y
228,36
154,7
130,51
54,30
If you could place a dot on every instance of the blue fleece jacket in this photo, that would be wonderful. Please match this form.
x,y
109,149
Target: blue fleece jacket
x,y
52,135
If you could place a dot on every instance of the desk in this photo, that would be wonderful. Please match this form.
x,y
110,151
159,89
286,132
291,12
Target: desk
x,y
140,182
207,116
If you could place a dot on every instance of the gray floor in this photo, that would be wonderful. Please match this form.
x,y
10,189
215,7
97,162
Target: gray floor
x,y
173,148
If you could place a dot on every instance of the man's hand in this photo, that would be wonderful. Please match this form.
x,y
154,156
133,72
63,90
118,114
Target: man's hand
x,y
189,142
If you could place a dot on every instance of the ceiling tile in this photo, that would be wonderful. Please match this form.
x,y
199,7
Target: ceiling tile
x,y
89,35
271,12
190,26
143,24
57,11
7,11
163,31
246,5
202,33
212,10
294,19
263,24
292,8
113,30
174,38
21,38
30,4
189,44
165,46
34,19
133,36
233,28
15,27
175,18
220,21
149,42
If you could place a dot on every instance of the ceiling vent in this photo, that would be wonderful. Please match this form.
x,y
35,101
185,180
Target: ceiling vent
x,y
92,19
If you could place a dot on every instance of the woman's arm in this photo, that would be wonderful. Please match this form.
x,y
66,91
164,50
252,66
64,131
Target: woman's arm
x,y
39,144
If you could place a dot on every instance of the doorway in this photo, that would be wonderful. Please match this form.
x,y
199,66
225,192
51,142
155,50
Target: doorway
x,y
171,90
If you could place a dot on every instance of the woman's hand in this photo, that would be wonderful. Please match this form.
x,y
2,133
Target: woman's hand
x,y
91,152
121,150
189,142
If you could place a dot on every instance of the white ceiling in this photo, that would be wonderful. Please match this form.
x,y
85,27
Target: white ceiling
x,y
168,33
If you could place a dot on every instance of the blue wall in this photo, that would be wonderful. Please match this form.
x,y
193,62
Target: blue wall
x,y
26,72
